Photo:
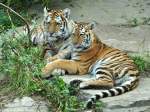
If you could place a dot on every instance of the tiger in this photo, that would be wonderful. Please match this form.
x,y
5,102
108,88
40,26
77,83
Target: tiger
x,y
54,31
111,69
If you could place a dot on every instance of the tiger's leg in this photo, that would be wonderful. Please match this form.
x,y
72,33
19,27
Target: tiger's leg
x,y
103,80
97,84
60,55
70,66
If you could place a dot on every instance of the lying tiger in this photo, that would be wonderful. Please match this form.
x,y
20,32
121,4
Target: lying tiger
x,y
54,31
111,68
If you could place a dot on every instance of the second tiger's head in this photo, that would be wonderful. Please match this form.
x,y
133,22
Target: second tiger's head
x,y
83,36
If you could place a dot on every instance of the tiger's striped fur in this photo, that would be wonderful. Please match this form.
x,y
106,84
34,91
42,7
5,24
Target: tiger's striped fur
x,y
55,31
110,68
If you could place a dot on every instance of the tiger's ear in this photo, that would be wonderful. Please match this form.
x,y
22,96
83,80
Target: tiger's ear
x,y
66,12
92,25
45,11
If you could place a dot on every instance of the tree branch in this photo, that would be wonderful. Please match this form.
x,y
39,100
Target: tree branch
x,y
17,14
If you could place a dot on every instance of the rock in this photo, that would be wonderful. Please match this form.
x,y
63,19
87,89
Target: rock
x,y
25,104
27,101
137,100
17,100
132,39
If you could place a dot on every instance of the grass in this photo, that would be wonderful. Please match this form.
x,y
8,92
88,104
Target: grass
x,y
137,22
140,62
134,22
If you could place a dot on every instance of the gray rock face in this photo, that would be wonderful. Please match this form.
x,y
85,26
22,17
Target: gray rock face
x,y
25,104
132,40
137,100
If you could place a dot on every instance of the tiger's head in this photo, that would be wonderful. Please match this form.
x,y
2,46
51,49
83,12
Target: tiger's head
x,y
83,36
57,24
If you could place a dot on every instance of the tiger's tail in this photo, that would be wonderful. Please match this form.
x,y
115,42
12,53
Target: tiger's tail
x,y
118,90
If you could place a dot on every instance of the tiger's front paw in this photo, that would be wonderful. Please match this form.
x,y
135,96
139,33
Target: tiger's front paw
x,y
60,72
45,73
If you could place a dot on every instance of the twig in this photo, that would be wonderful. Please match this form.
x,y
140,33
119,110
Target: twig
x,y
17,14
12,25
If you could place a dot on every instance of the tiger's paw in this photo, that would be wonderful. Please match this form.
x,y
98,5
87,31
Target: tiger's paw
x,y
75,83
49,77
45,73
59,72
46,76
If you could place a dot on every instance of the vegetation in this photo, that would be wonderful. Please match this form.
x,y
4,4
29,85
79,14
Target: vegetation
x,y
137,22
9,20
19,4
67,1
21,7
23,67
140,62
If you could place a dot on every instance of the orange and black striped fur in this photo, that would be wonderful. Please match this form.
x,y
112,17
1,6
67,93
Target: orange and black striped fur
x,y
110,68
54,31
